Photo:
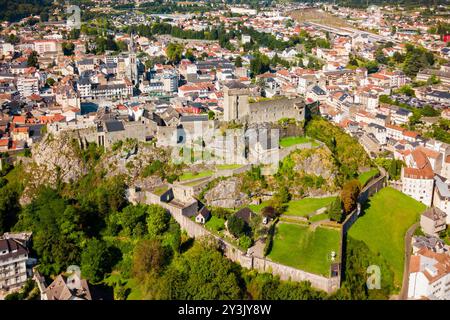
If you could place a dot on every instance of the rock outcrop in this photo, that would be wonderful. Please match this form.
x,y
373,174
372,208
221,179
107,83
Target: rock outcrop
x,y
316,162
60,156
227,194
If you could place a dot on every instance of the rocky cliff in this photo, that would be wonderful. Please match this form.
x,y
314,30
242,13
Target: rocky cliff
x,y
53,158
227,193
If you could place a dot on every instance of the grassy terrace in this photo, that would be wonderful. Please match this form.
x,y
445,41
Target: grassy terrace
x,y
366,176
191,175
291,141
228,166
300,247
306,206
258,207
215,224
159,191
301,207
383,226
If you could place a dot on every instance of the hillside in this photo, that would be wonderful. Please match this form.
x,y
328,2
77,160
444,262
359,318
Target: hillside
x,y
18,9
348,154
383,225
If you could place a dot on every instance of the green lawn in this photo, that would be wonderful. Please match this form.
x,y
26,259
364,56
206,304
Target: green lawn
x,y
306,206
290,141
300,247
301,207
258,207
191,175
319,217
366,176
384,224
228,166
159,191
215,223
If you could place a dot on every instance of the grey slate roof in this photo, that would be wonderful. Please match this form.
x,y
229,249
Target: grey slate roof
x,y
114,125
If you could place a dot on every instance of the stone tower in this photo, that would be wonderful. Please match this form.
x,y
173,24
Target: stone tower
x,y
132,62
235,103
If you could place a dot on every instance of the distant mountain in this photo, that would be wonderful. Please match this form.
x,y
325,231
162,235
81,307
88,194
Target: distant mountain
x,y
14,10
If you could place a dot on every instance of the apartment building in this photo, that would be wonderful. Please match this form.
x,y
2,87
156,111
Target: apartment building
x,y
46,46
433,221
418,178
27,86
441,195
429,275
13,269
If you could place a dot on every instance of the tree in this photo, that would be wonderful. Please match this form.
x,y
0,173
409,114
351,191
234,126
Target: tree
x,y
32,60
283,195
259,64
157,220
335,212
245,242
280,199
407,90
68,48
96,260
380,57
349,195
110,195
131,222
190,55
57,231
202,273
269,212
359,258
148,256
416,59
74,34
238,62
262,286
9,208
50,82
174,52
236,226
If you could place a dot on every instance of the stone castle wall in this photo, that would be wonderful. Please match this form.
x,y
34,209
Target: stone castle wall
x,y
250,262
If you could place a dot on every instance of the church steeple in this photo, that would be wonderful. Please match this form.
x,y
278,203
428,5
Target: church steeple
x,y
131,48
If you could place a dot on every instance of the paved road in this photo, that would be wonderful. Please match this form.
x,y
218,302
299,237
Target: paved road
x,y
408,236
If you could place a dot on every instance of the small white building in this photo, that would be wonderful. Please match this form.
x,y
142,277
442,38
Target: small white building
x,y
203,215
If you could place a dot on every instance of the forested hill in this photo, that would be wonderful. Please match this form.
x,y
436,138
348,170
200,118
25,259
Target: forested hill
x,y
365,3
14,10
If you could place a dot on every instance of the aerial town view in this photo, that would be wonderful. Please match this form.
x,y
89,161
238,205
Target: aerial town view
x,y
224,150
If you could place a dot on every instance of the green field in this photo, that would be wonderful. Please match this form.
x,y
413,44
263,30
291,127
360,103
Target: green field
x,y
301,207
366,176
258,207
306,206
300,247
215,224
159,191
384,224
318,217
196,175
290,141
228,166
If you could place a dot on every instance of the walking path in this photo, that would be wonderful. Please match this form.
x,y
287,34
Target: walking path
x,y
408,237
